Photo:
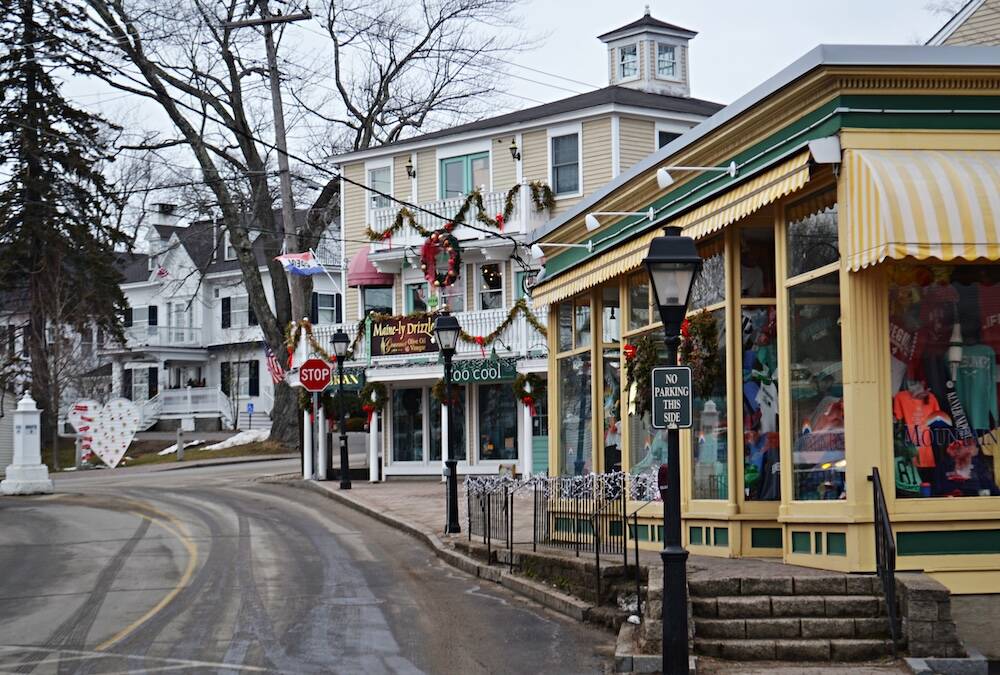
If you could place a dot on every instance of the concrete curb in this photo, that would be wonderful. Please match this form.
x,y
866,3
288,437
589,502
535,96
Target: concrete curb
x,y
225,461
974,664
558,602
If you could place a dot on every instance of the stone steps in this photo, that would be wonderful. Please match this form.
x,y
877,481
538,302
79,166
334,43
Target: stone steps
x,y
814,649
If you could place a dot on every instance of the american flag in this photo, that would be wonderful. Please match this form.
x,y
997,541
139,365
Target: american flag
x,y
161,272
273,366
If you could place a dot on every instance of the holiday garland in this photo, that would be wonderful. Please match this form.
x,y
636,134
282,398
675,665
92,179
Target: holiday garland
x,y
294,328
699,350
438,392
528,388
520,307
374,396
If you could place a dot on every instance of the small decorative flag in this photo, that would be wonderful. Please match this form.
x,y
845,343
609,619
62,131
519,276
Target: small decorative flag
x,y
301,264
161,272
273,367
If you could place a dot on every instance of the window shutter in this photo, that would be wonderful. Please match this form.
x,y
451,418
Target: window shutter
x,y
154,381
224,377
314,309
254,384
153,315
127,383
226,316
251,315
338,301
128,317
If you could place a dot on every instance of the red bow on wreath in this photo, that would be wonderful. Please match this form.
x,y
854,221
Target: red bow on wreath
x,y
630,352
369,410
686,329
530,402
481,341
499,220
290,352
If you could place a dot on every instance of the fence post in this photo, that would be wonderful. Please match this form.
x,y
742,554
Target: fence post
x,y
510,531
534,518
624,510
638,584
596,525
468,509
486,531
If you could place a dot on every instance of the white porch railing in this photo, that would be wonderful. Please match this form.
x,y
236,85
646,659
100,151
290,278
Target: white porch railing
x,y
158,336
523,219
196,400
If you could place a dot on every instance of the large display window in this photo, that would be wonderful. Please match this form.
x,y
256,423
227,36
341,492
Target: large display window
x,y
497,423
703,348
408,425
575,415
456,432
944,337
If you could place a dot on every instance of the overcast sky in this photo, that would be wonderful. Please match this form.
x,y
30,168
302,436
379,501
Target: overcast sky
x,y
740,43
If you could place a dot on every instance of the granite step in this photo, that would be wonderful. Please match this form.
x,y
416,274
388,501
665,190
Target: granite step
x,y
788,606
838,650
851,584
793,628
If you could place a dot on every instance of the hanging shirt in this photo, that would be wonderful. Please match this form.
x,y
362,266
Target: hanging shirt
x,y
976,386
914,411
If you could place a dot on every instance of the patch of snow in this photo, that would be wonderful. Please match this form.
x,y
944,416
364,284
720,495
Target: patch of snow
x,y
634,620
242,438
171,449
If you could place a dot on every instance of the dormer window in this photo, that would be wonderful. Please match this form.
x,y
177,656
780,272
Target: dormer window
x,y
230,250
628,62
666,60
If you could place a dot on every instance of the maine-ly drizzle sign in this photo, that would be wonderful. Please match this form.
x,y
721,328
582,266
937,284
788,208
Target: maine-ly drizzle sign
x,y
672,397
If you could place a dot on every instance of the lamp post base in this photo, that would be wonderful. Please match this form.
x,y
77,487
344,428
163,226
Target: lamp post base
x,y
675,610
451,469
345,468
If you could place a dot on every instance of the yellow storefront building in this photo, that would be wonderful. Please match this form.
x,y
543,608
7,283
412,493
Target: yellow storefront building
x,y
847,316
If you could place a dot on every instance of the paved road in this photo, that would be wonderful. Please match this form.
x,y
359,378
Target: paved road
x,y
208,570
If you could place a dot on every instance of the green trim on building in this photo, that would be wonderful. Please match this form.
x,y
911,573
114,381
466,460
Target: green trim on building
x,y
801,542
955,542
695,536
721,536
640,532
615,528
836,543
818,543
765,537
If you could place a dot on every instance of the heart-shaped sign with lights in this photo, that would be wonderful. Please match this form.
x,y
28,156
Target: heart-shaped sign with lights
x,y
106,431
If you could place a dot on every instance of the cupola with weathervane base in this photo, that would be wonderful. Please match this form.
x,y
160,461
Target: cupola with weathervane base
x,y
649,55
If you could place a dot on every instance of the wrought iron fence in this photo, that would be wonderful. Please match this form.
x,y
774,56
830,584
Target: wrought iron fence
x,y
885,554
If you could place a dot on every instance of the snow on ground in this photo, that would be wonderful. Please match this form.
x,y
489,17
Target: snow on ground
x,y
171,449
242,438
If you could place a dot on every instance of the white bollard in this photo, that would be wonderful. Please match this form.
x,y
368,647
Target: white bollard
x,y
322,462
27,475
307,446
373,441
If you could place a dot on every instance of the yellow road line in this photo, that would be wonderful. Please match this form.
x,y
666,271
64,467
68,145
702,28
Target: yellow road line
x,y
182,536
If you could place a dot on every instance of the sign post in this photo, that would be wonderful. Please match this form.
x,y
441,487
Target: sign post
x,y
671,397
314,376
250,413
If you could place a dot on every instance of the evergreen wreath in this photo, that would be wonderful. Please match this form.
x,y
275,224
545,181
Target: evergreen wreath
x,y
374,396
441,241
640,359
529,388
699,350
438,392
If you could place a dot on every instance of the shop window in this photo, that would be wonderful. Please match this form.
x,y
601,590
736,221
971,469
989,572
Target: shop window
x,y
491,286
416,297
407,425
647,446
817,389
709,287
812,234
761,458
497,423
944,337
705,347
611,409
581,321
757,276
564,326
377,299
610,315
575,415
456,432
638,301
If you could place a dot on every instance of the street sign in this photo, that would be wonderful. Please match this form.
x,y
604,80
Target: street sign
x,y
249,408
672,398
315,374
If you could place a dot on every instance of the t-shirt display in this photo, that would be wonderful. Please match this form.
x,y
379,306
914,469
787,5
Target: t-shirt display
x,y
944,334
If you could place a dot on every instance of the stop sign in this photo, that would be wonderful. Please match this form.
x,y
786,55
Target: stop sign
x,y
314,375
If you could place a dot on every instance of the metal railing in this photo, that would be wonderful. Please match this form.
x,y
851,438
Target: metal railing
x,y
885,555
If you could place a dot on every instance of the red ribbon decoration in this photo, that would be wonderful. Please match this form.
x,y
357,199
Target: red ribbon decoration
x,y
499,220
481,341
290,352
369,410
630,352
686,329
530,402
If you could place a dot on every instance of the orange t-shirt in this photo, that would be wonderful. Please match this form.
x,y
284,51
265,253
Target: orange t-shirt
x,y
914,412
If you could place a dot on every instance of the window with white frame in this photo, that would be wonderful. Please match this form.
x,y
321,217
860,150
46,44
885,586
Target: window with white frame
x,y
566,164
229,248
453,296
628,62
491,286
376,299
327,307
666,60
380,178
416,297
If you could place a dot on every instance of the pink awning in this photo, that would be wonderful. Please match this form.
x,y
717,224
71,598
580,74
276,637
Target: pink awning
x,y
361,272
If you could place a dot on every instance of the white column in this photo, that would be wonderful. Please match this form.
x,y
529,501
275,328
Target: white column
x,y
373,441
526,457
27,475
307,449
444,437
321,430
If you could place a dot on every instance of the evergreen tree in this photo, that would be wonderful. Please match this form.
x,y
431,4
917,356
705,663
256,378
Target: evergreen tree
x,y
56,241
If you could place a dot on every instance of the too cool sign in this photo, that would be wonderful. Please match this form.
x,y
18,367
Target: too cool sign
x,y
672,398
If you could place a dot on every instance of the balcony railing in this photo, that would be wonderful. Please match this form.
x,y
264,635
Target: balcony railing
x,y
194,400
523,219
157,336
518,339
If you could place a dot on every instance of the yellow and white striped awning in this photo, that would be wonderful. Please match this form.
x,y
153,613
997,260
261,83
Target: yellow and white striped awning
x,y
710,217
942,204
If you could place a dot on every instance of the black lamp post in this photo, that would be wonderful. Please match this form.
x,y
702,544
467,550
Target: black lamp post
x,y
446,330
673,263
340,343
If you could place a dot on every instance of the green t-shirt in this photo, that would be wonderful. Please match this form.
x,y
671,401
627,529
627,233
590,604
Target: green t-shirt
x,y
976,385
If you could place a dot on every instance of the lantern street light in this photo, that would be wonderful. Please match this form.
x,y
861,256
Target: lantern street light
x,y
673,263
340,342
446,330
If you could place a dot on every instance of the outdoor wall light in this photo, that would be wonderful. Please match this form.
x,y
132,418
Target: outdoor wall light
x,y
514,152
593,223
538,253
410,171
665,180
